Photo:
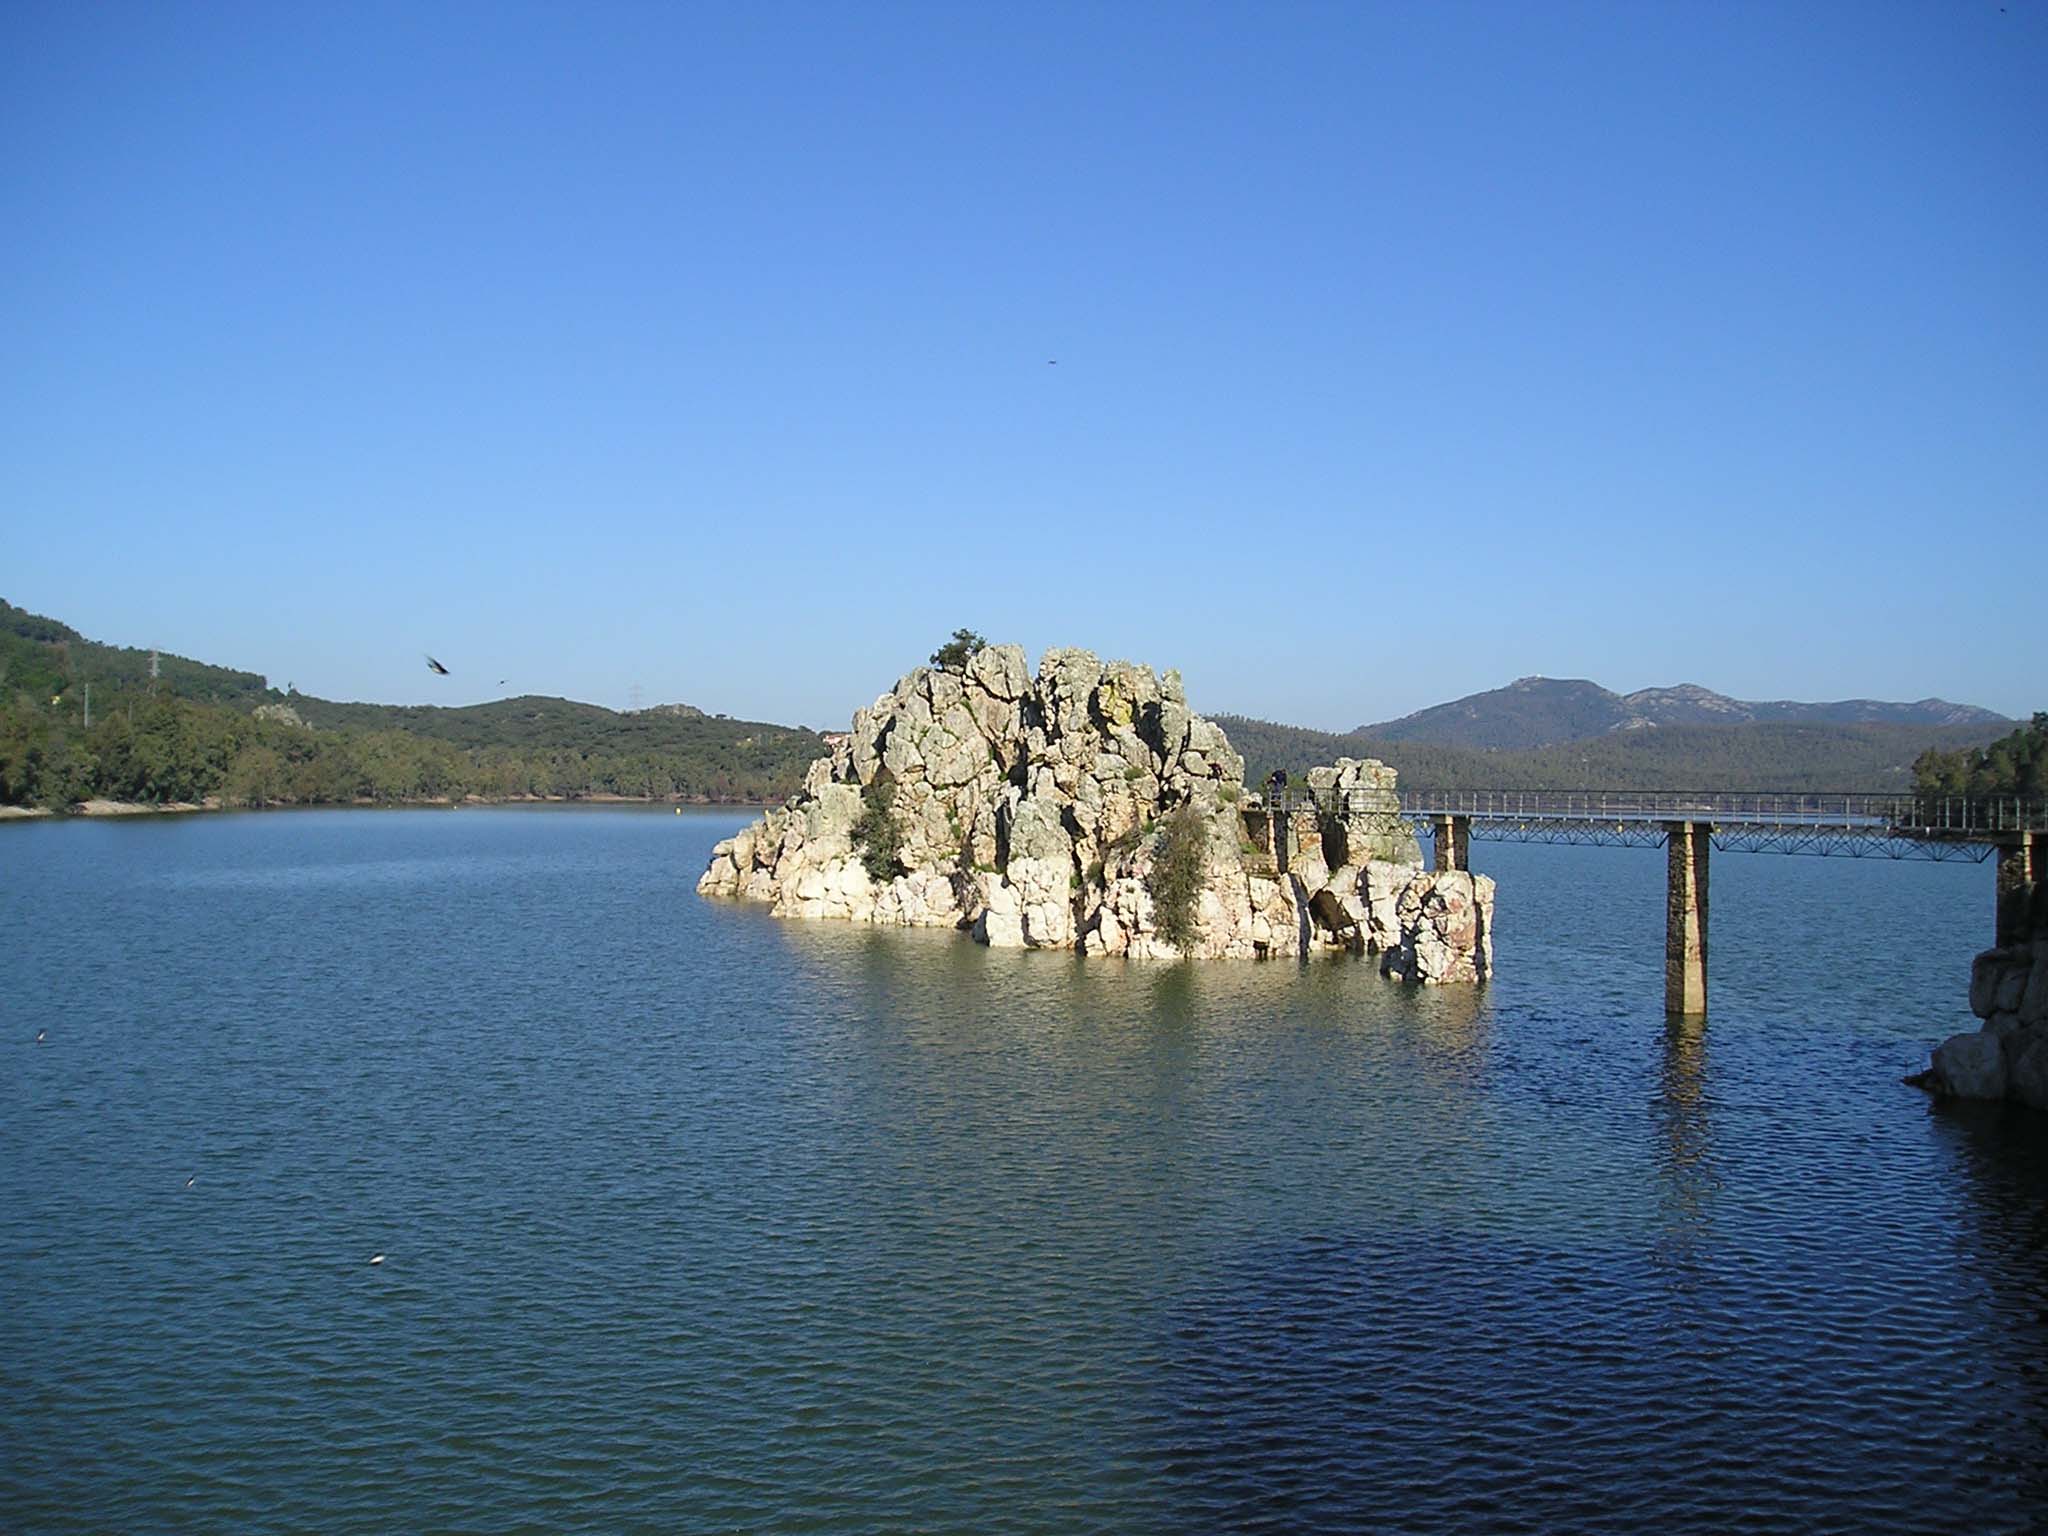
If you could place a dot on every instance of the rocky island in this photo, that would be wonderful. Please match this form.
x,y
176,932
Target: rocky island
x,y
1088,809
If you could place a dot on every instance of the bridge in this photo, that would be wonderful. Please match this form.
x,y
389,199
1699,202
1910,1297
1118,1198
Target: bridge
x,y
1690,824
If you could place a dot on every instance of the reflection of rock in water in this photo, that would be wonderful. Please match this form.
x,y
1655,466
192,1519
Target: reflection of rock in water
x,y
2002,1153
1453,1023
1689,1179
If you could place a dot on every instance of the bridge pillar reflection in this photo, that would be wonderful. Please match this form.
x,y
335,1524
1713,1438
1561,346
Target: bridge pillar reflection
x,y
1452,836
1685,916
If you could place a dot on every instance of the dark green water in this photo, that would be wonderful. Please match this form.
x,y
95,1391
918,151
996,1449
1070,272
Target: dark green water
x,y
699,1221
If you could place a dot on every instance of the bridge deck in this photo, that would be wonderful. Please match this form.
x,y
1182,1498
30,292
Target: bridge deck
x,y
1881,825
1688,825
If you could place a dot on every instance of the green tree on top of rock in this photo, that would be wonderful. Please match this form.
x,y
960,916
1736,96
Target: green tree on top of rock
x,y
954,652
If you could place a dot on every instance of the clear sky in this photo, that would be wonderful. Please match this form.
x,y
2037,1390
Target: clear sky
x,y
1401,349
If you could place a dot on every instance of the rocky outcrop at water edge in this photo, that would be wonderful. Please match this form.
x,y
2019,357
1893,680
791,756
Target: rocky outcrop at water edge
x,y
1034,812
2008,1057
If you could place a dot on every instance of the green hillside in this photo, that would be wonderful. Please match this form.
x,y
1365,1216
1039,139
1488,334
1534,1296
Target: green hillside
x,y
1529,713
42,655
2013,767
1761,756
531,722
202,731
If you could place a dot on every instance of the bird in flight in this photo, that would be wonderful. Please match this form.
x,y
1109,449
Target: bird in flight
x,y
435,666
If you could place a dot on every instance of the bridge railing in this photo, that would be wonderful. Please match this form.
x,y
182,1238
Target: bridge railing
x,y
1884,815
1940,815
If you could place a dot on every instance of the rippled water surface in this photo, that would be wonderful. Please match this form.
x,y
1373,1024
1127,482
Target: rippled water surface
x,y
699,1221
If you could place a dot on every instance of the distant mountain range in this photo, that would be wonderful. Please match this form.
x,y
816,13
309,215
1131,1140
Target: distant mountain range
x,y
1568,733
1534,712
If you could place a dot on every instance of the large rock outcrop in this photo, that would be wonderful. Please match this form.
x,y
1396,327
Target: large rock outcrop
x,y
1032,812
2008,1057
1444,923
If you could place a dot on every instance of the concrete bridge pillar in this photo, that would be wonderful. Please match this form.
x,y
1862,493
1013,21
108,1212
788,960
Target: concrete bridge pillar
x,y
1305,830
1453,838
1685,916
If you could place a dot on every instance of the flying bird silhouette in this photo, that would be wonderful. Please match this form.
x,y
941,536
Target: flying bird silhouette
x,y
435,666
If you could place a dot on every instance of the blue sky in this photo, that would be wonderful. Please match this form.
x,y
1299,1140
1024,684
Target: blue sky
x,y
1401,349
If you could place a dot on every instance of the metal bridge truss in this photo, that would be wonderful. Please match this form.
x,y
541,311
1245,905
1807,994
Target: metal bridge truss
x,y
1874,842
1848,842
1848,825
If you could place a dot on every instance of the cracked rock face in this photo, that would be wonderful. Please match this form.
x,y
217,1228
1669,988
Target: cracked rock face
x,y
1445,926
1027,811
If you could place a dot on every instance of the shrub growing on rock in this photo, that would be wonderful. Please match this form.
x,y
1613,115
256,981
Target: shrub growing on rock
x,y
1180,865
876,834
956,651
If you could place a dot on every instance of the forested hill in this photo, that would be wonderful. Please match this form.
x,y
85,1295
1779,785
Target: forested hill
x,y
531,722
1547,711
2013,767
1757,755
44,656
199,731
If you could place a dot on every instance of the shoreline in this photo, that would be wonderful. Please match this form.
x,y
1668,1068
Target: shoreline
x,y
103,809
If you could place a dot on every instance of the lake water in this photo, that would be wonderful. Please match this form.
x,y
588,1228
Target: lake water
x,y
700,1221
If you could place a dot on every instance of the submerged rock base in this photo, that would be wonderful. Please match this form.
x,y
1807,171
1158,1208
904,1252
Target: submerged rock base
x,y
2008,1057
1032,812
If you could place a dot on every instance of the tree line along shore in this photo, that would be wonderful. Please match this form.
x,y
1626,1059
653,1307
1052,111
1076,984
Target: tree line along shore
x,y
84,724
167,751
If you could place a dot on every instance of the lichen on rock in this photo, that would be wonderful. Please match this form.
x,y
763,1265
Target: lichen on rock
x,y
1030,812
